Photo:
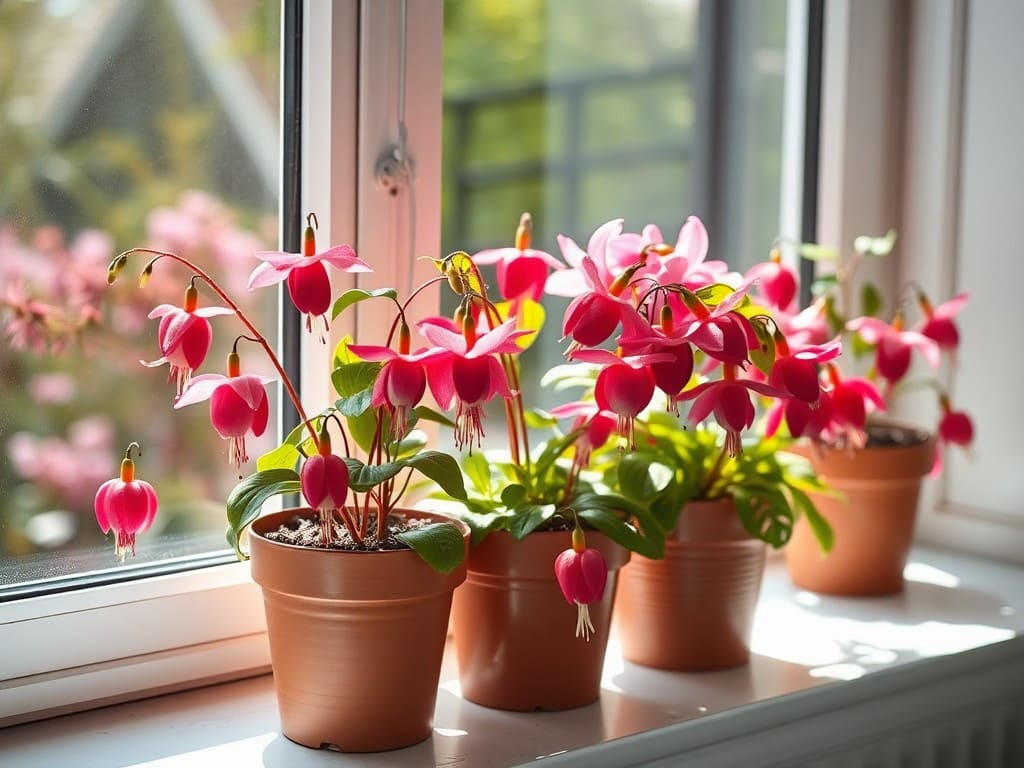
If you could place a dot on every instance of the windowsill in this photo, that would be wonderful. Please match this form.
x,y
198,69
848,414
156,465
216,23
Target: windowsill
x,y
955,610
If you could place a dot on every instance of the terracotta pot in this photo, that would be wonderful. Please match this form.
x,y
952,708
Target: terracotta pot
x,y
694,609
873,521
515,632
356,639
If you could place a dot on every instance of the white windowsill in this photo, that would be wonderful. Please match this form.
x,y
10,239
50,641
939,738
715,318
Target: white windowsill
x,y
955,612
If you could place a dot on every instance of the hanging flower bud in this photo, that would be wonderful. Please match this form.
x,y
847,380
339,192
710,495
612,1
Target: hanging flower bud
x,y
324,480
126,506
581,574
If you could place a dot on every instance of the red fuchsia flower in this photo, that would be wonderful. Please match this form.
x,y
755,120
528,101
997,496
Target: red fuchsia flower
x,y
592,317
402,380
522,271
796,372
467,371
324,481
238,405
955,428
582,574
938,322
184,335
718,331
595,426
809,326
802,419
851,400
729,400
308,283
893,345
624,386
777,282
126,506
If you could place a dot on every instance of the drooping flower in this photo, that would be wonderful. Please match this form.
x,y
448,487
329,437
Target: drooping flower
x,y
777,282
402,379
522,271
796,370
893,345
184,335
582,574
594,425
938,322
125,505
324,482
729,400
467,370
238,405
624,386
955,428
308,283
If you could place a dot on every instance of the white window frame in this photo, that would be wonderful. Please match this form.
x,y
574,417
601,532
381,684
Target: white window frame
x,y
84,648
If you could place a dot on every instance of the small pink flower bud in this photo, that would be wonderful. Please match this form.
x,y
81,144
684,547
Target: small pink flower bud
x,y
581,574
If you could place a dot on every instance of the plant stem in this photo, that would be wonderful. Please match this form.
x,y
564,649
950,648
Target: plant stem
x,y
713,475
244,319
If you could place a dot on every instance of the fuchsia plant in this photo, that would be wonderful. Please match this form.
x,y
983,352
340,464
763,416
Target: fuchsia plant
x,y
651,325
126,505
844,415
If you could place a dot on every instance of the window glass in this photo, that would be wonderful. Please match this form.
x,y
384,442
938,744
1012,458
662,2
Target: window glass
x,y
582,111
147,123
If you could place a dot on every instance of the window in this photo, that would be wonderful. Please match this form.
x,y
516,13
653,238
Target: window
x,y
125,124
710,79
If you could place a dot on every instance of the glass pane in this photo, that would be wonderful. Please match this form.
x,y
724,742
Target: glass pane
x,y
148,123
582,111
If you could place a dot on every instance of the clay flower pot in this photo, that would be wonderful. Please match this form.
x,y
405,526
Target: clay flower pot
x,y
873,519
515,633
356,639
694,609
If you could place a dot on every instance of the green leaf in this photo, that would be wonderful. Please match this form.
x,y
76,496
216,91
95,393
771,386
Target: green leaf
x,y
355,295
440,545
528,519
621,532
824,284
715,294
247,499
442,469
363,477
478,470
411,444
537,419
353,378
483,519
513,495
285,456
816,252
355,405
861,347
870,300
641,478
764,356
819,525
765,513
875,246
362,427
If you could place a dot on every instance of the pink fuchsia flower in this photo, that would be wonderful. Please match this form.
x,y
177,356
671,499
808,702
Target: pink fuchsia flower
x,y
467,371
126,506
729,400
850,402
324,482
308,283
777,282
796,372
184,336
718,331
893,345
238,405
592,317
685,264
582,574
955,428
595,426
401,382
575,281
938,322
522,271
802,419
624,386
